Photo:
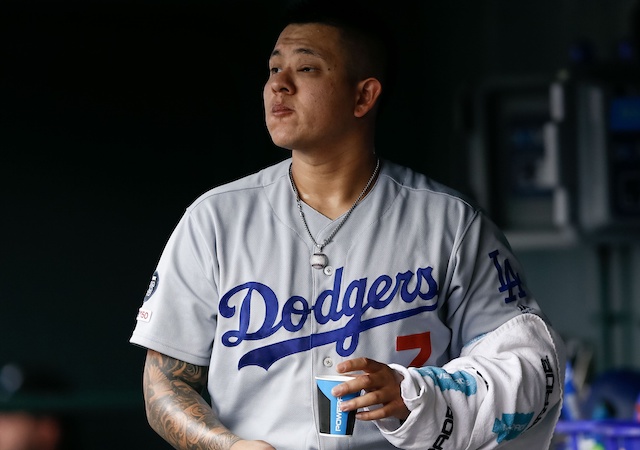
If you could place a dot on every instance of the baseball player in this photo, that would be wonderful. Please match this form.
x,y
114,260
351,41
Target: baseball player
x,y
336,260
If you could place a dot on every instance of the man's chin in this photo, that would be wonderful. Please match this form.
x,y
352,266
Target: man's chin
x,y
283,142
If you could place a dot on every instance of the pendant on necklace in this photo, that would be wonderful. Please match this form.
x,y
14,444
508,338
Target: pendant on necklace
x,y
319,261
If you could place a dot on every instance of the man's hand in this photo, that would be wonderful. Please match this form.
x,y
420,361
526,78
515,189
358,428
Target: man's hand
x,y
380,385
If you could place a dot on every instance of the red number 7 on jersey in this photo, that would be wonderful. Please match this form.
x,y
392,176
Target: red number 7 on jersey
x,y
421,341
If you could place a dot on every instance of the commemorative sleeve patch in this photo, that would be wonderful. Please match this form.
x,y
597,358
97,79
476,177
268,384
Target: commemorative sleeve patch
x,y
144,315
153,285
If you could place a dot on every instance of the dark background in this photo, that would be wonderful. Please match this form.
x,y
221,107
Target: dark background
x,y
115,115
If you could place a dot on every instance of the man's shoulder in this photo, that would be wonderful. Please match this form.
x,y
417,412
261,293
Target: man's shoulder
x,y
247,184
422,184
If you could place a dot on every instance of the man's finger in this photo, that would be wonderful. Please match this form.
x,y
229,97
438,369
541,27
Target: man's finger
x,y
363,364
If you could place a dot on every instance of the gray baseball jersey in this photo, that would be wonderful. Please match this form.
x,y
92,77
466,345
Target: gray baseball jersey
x,y
414,274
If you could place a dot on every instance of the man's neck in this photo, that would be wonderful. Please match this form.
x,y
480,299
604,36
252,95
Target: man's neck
x,y
332,185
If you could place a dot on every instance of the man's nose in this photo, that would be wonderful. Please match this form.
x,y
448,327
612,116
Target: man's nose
x,y
282,82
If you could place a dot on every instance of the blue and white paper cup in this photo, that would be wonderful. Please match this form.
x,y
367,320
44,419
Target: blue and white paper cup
x,y
332,421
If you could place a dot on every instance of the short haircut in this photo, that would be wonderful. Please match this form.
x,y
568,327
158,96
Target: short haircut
x,y
367,37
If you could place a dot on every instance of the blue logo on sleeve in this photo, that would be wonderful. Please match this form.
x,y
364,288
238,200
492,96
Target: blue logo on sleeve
x,y
457,381
511,425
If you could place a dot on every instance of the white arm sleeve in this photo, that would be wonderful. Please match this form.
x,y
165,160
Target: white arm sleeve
x,y
504,391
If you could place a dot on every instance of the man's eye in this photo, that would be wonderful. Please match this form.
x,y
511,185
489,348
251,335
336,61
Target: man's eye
x,y
306,69
274,70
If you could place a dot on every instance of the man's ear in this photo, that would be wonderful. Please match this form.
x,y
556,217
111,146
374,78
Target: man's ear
x,y
368,92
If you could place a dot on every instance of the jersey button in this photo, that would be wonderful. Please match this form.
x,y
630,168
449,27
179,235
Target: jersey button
x,y
328,362
328,271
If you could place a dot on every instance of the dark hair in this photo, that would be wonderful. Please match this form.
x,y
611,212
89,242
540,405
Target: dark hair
x,y
367,36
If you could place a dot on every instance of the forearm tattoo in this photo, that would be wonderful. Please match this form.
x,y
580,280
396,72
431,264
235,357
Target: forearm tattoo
x,y
175,407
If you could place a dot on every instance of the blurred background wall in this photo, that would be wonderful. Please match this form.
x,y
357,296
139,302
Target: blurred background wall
x,y
115,115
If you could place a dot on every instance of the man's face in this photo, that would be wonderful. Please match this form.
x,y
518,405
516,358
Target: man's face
x,y
308,99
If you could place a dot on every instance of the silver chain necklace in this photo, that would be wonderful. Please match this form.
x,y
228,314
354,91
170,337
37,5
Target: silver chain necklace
x,y
319,260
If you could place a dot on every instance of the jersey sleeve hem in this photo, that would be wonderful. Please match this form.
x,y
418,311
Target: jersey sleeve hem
x,y
165,349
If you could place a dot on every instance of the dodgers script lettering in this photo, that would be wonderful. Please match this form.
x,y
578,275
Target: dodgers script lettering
x,y
358,298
